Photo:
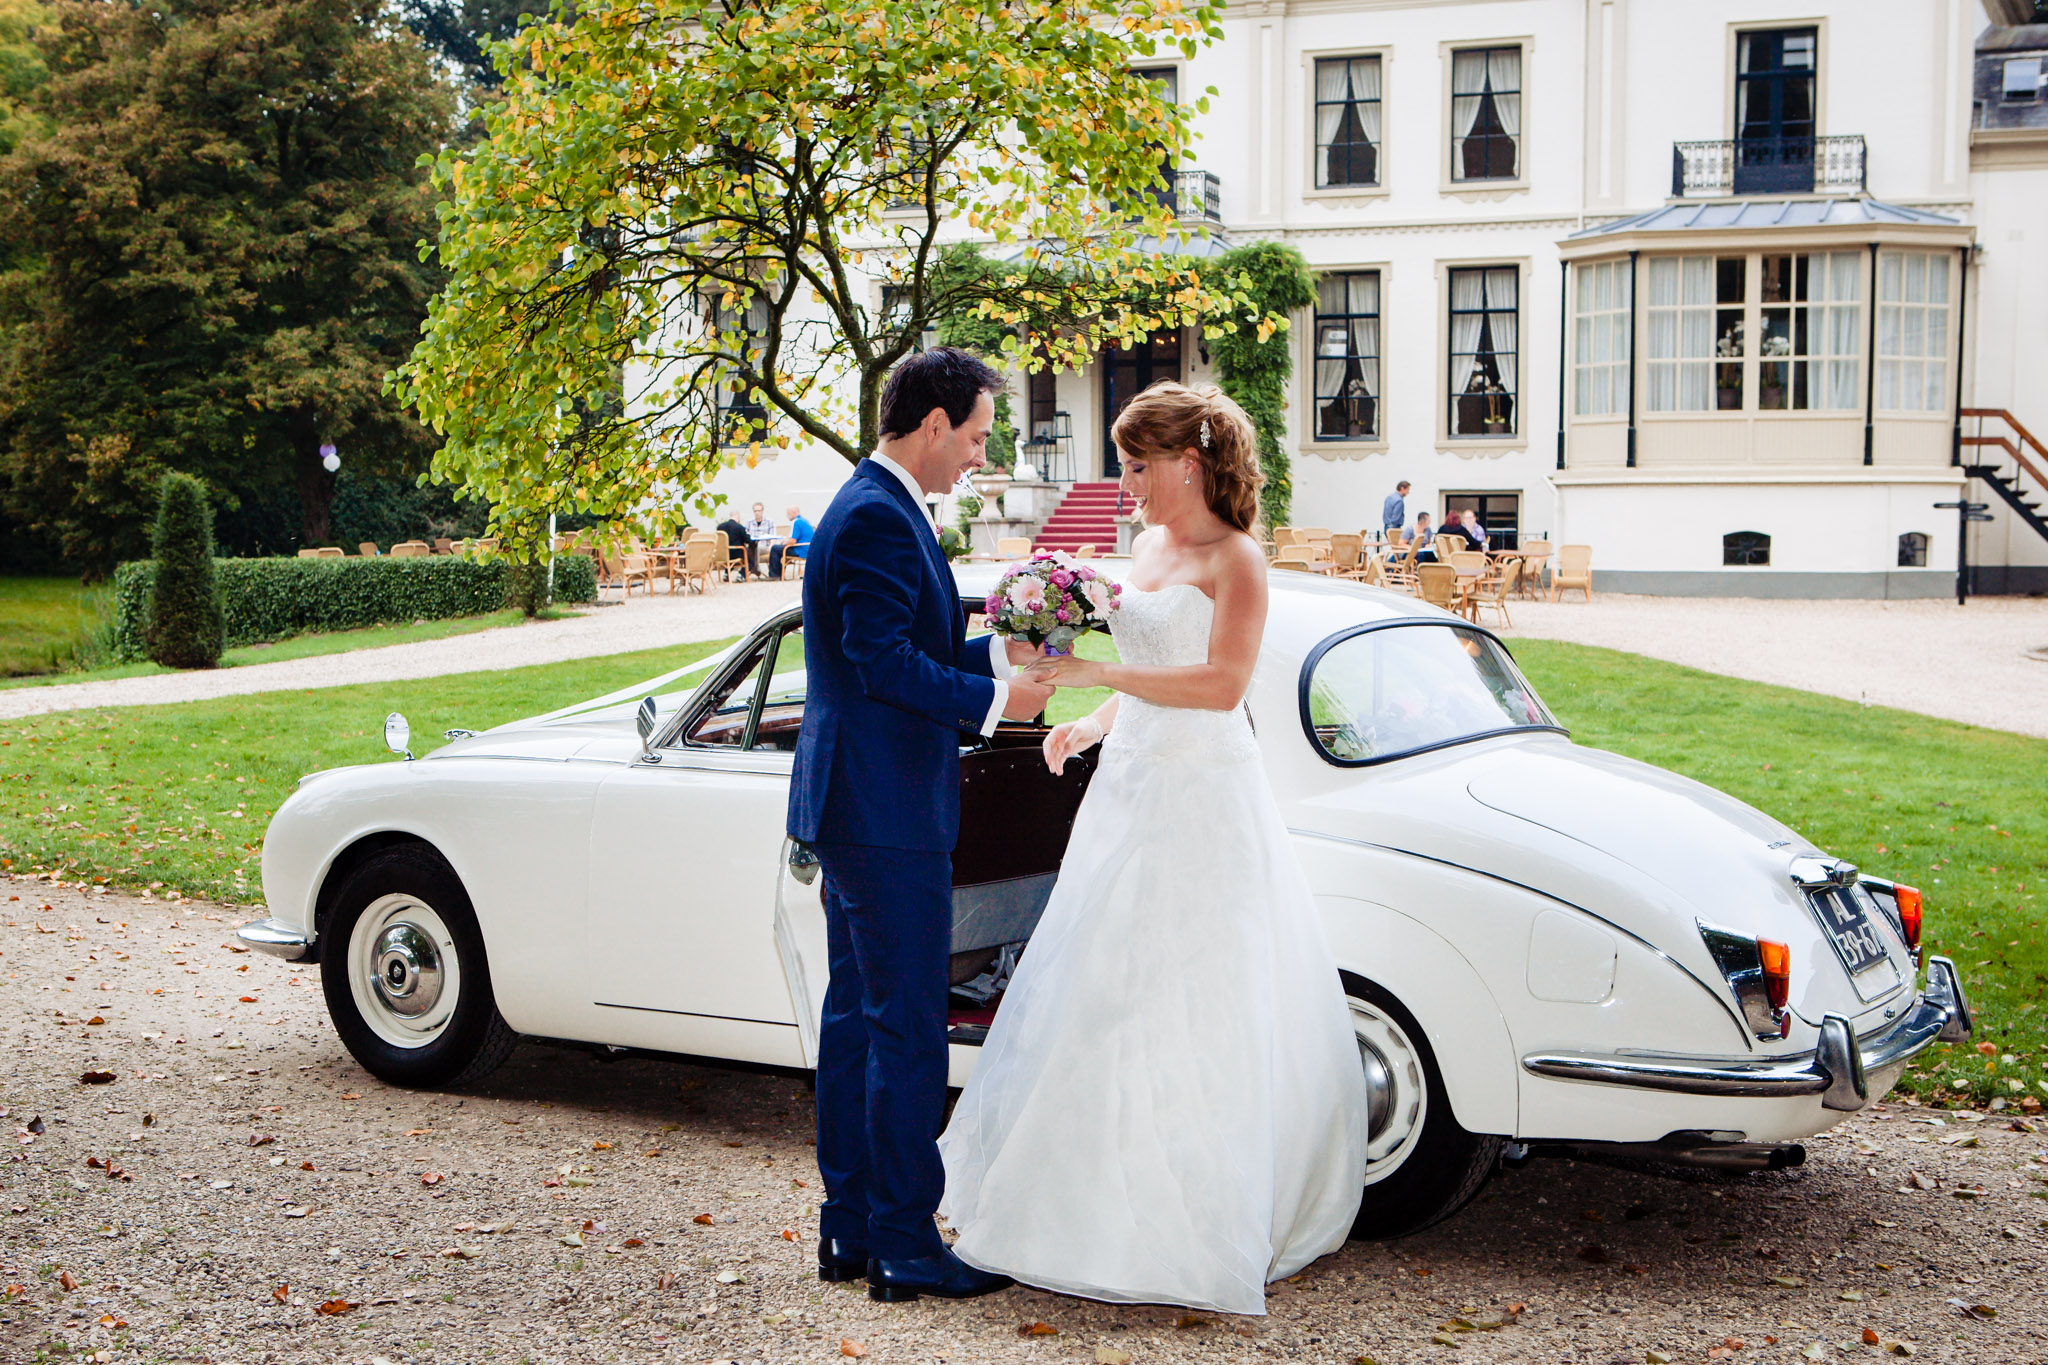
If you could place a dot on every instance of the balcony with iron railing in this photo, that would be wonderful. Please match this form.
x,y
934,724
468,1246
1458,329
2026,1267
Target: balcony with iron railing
x,y
1767,165
1197,196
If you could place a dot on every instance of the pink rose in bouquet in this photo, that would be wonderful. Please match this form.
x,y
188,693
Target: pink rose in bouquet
x,y
1050,600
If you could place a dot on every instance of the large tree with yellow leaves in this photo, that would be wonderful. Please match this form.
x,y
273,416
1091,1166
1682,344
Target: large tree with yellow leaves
x,y
665,255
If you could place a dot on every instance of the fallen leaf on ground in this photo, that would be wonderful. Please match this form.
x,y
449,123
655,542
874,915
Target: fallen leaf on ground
x,y
1981,1312
262,1139
96,1019
1920,1182
1596,1254
1109,1355
574,1239
1788,1281
704,1218
1813,1351
430,1178
1851,1296
335,1306
789,1234
418,1132
1190,1322
600,1146
96,1078
665,1280
306,1166
731,1277
1656,1358
281,1293
633,1242
67,1281
1870,1337
1039,1329
849,1347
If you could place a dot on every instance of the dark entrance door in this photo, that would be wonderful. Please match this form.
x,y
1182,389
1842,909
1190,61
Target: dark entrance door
x,y
1774,92
1125,374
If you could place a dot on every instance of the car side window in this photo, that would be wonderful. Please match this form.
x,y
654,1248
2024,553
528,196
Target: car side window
x,y
760,704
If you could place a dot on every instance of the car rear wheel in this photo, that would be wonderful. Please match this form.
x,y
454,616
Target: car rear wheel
x,y
404,973
1421,1166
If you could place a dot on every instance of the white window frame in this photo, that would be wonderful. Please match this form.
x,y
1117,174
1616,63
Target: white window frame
x,y
1914,330
1602,352
1833,311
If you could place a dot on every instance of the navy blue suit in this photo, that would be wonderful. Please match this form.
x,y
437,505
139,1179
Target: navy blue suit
x,y
892,685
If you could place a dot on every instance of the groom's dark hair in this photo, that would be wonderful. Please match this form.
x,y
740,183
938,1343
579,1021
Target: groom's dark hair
x,y
943,377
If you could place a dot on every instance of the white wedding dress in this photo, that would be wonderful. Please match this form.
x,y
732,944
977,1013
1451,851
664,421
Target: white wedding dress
x,y
1169,1107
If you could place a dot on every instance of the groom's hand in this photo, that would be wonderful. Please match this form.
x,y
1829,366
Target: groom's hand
x,y
1020,650
1027,698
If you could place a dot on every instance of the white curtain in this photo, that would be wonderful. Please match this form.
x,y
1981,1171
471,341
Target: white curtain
x,y
1505,325
1468,72
1329,102
1365,86
1696,342
1504,73
1468,292
1365,331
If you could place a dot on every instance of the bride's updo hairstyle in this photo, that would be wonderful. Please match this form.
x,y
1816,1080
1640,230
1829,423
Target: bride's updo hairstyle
x,y
1169,419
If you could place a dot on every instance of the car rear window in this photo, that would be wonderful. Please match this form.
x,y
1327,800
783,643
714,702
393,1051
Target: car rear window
x,y
1386,691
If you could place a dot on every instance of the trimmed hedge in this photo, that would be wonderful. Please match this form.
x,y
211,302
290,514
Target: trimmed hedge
x,y
182,626
270,599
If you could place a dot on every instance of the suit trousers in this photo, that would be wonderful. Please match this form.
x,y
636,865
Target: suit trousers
x,y
882,1056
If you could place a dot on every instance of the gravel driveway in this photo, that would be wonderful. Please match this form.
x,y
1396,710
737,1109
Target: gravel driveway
x,y
242,1193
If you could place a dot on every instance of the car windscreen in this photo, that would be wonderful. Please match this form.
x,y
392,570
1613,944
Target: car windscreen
x,y
1385,691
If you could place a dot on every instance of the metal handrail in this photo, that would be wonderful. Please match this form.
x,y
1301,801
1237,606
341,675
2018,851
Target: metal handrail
x,y
1714,168
2010,447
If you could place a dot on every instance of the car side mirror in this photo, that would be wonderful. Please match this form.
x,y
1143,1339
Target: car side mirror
x,y
398,735
644,718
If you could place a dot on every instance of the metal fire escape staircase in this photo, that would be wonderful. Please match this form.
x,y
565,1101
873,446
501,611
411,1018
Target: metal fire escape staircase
x,y
2021,477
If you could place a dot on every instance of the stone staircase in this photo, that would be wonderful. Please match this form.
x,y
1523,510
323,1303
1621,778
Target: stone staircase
x,y
1086,516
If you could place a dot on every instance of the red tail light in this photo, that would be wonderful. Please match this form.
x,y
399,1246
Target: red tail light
x,y
1909,914
1777,965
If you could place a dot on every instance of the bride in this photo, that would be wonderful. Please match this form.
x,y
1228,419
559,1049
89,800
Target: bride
x,y
1169,1107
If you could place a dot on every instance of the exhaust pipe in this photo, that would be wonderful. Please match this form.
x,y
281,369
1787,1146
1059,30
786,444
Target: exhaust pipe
x,y
1692,1151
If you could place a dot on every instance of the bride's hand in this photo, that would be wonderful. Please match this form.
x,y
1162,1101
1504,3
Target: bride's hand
x,y
1065,671
1068,739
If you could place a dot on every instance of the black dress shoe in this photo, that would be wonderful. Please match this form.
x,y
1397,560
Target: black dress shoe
x,y
944,1276
839,1261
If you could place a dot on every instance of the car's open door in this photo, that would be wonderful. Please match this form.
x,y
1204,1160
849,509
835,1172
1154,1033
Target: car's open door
x,y
800,939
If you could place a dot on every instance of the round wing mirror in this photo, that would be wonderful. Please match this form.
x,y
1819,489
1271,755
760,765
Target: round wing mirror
x,y
398,734
644,719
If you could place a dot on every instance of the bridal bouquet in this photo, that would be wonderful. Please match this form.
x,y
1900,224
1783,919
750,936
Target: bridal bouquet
x,y
1050,600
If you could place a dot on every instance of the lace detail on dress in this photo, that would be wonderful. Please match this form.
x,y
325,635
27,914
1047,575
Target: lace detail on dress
x,y
1170,628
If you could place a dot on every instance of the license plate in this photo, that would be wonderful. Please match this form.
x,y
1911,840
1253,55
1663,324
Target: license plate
x,y
1855,937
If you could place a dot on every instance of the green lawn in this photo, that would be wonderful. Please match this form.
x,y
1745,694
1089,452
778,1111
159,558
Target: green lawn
x,y
144,795
41,620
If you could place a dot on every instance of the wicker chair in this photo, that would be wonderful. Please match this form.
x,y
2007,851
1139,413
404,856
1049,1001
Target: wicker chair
x,y
1574,570
368,549
1013,547
1535,558
1492,591
1084,552
1347,552
410,549
697,563
1437,584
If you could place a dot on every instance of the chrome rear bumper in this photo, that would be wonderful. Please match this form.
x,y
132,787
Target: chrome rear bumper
x,y
279,940
1837,1070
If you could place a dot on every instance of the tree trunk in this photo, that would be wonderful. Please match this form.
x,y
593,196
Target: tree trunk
x,y
316,485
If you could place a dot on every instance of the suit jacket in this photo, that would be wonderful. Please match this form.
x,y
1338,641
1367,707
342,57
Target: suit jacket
x,y
892,682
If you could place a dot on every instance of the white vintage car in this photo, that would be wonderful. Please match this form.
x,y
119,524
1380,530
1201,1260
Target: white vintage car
x,y
1546,947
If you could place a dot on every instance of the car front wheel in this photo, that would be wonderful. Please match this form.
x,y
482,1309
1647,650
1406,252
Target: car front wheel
x,y
404,973
1421,1165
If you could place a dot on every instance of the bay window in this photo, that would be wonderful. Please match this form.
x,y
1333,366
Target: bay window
x,y
1912,331
1601,343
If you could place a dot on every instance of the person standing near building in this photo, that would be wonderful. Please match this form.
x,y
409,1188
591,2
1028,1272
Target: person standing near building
x,y
1394,512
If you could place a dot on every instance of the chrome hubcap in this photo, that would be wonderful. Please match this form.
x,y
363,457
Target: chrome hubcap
x,y
408,971
1396,1089
404,973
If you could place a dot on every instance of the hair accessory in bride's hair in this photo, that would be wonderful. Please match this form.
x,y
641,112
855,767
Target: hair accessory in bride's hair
x,y
1205,433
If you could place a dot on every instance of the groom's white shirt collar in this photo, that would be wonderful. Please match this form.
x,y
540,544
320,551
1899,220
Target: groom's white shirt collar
x,y
998,654
910,486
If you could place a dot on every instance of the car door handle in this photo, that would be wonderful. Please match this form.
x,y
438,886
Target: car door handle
x,y
803,862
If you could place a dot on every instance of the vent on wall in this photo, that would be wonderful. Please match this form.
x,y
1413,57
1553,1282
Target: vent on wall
x,y
1913,550
1745,548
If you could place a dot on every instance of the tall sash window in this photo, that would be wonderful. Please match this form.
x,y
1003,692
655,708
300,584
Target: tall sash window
x,y
1347,342
1485,355
1600,358
1912,331
1347,121
1486,113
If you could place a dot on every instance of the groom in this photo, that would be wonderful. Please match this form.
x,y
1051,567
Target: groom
x,y
893,685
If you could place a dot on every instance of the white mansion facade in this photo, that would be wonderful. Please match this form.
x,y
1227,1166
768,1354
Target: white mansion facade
x,y
1706,287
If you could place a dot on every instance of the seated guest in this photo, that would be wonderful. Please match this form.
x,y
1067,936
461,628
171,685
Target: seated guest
x,y
1425,549
796,547
1467,525
738,545
759,530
